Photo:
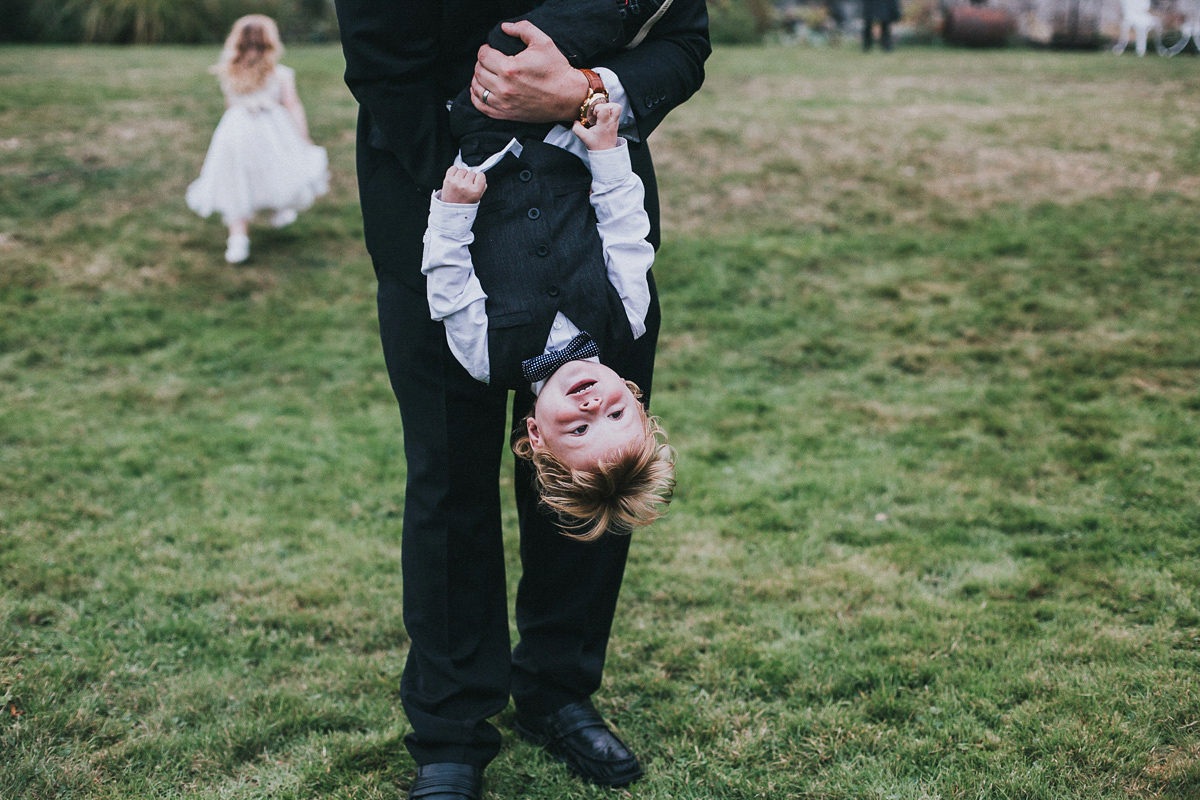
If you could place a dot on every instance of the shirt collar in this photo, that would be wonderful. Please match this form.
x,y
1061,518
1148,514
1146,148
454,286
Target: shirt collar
x,y
513,147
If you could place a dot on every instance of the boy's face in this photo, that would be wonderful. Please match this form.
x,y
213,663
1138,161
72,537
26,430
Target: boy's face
x,y
584,412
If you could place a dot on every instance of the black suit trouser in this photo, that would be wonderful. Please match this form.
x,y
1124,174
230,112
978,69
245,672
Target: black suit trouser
x,y
460,670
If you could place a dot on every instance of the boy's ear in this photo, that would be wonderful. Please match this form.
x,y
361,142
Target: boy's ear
x,y
535,435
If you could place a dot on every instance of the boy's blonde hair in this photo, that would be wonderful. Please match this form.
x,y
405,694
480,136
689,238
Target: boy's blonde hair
x,y
251,51
628,491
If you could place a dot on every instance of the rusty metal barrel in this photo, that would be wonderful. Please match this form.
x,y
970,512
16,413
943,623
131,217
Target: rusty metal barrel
x,y
973,26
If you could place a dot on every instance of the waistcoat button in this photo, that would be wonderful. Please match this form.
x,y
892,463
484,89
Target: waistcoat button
x,y
525,175
534,213
543,250
552,290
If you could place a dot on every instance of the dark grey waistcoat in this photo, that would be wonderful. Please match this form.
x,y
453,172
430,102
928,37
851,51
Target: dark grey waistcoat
x,y
537,252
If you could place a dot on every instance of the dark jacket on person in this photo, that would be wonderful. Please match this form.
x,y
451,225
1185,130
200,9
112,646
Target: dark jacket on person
x,y
881,10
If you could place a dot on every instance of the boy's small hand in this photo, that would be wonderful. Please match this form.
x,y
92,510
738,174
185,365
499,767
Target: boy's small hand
x,y
463,186
601,134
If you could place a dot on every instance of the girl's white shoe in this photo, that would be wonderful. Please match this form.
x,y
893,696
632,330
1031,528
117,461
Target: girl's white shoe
x,y
237,248
283,217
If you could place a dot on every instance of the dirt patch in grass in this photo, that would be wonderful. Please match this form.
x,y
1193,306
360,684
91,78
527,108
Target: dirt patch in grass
x,y
1167,767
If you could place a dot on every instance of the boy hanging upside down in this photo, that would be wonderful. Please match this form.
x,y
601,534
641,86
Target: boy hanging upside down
x,y
536,262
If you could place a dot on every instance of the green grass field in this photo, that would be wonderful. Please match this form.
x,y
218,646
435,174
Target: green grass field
x,y
931,361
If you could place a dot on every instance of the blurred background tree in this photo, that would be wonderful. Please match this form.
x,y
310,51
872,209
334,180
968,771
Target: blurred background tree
x,y
207,21
157,21
740,21
732,22
1063,23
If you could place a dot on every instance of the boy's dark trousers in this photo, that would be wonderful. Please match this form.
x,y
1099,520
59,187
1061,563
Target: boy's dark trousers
x,y
460,670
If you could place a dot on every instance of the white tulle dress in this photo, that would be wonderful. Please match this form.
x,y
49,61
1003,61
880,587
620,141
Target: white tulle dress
x,y
258,159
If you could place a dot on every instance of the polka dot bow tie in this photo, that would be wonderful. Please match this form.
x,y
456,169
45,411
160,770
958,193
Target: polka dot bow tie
x,y
543,366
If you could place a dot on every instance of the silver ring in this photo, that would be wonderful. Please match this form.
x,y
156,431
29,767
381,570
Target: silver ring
x,y
484,96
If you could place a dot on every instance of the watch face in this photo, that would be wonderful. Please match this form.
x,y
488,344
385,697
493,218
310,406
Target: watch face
x,y
588,112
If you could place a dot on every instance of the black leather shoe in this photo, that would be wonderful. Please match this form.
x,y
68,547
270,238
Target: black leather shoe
x,y
447,781
577,736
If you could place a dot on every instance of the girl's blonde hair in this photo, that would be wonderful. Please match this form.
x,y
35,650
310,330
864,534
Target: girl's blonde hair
x,y
629,490
251,51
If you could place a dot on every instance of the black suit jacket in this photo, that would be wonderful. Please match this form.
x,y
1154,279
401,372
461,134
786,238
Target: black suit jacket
x,y
406,58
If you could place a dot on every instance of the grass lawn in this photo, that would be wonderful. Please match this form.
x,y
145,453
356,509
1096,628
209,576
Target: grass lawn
x,y
931,361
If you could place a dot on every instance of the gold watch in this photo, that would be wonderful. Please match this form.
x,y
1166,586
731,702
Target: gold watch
x,y
596,94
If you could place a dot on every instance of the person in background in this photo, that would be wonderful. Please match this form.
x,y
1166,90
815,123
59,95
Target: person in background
x,y
405,60
885,12
261,156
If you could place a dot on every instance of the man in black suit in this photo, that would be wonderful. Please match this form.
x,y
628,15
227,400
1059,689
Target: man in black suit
x,y
404,60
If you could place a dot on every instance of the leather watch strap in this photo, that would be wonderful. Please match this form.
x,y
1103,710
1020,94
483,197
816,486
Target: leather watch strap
x,y
596,94
594,82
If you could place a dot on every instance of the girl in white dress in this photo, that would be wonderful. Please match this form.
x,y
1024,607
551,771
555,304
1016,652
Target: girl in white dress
x,y
261,156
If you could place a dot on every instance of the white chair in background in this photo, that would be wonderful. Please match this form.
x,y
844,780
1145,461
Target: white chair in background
x,y
1189,30
1136,19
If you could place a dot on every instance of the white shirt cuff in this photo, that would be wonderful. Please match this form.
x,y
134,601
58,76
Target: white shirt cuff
x,y
451,219
610,166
